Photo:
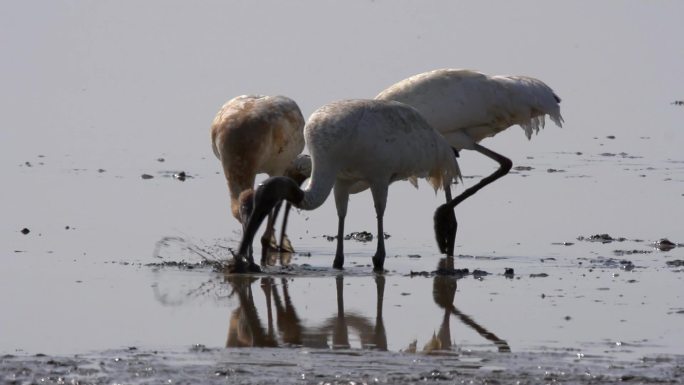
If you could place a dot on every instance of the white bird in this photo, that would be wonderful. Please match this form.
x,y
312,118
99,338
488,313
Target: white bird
x,y
466,107
254,134
354,145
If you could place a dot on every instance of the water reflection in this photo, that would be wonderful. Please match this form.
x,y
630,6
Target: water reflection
x,y
281,325
246,328
443,293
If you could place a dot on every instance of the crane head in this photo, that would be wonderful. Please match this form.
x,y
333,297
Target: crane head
x,y
445,229
265,198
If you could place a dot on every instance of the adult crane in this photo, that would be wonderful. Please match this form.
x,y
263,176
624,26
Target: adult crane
x,y
355,145
467,106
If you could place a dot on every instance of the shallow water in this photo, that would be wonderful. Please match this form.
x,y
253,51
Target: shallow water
x,y
110,283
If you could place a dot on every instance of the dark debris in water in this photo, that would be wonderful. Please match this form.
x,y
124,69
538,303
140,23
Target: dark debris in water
x,y
612,263
563,243
184,265
359,236
180,176
603,238
631,252
619,155
678,103
523,168
662,244
177,175
538,275
665,244
675,263
457,273
199,348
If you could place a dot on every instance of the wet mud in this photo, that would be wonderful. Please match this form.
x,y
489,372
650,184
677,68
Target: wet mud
x,y
204,365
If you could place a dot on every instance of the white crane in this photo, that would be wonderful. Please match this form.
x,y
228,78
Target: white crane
x,y
354,145
253,134
467,106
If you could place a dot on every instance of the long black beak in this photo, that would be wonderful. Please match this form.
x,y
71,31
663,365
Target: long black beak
x,y
258,215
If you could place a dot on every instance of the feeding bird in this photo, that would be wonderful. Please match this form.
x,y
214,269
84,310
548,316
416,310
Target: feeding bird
x,y
254,134
467,106
355,145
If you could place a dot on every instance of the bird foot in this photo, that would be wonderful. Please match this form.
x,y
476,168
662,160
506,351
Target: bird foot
x,y
379,264
446,263
286,246
338,263
268,242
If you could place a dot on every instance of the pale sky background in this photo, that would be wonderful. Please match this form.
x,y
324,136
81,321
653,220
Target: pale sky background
x,y
150,75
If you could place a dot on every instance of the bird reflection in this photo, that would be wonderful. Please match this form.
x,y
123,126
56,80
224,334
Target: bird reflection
x,y
246,328
245,325
443,293
284,327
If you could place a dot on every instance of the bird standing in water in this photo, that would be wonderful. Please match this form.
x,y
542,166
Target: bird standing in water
x,y
467,106
253,134
355,145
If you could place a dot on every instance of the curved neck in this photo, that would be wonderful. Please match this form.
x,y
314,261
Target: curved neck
x,y
275,189
269,194
318,187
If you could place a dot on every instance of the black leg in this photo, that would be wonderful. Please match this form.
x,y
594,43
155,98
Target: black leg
x,y
341,191
268,242
444,222
505,166
380,201
285,244
338,263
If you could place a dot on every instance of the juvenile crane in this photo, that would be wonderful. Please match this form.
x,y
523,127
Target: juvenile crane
x,y
254,134
355,145
467,106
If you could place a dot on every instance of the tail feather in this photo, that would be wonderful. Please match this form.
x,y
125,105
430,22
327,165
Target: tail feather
x,y
413,180
534,96
449,173
557,118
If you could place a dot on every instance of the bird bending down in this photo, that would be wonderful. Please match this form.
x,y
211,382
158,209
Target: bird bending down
x,y
254,134
355,145
466,107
